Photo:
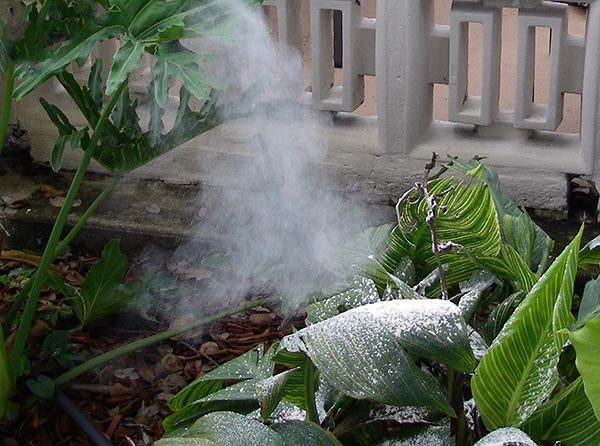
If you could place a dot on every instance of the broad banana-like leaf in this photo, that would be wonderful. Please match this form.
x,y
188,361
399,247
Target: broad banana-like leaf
x,y
507,436
519,371
542,245
308,434
226,429
568,418
359,351
252,364
419,435
590,253
586,341
590,303
469,219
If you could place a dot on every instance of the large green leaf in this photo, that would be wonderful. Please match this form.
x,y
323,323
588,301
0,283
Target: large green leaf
x,y
469,219
568,418
225,429
309,434
585,341
542,243
250,365
127,59
343,349
99,295
506,436
589,307
77,49
519,371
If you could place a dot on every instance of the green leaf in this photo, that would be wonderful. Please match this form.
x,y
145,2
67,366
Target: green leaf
x,y
519,371
174,60
310,434
419,436
127,59
506,437
590,303
585,341
225,429
469,219
270,392
99,295
181,420
43,386
79,48
58,151
567,418
500,315
474,169
58,118
251,364
363,291
342,350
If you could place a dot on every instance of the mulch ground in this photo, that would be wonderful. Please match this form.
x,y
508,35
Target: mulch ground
x,y
127,398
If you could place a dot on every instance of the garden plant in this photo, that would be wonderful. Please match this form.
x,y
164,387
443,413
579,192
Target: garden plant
x,y
60,33
454,328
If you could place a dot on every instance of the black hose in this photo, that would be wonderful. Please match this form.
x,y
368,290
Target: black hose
x,y
88,428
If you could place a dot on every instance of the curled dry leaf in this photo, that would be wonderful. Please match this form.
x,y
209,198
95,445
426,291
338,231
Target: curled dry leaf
x,y
59,201
209,348
50,192
172,383
262,319
17,204
127,373
153,208
172,363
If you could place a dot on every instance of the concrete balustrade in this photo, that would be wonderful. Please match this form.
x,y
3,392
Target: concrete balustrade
x,y
408,53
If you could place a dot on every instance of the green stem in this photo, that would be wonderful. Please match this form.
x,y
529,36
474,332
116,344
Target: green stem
x,y
142,343
9,87
53,241
310,378
14,309
4,379
458,425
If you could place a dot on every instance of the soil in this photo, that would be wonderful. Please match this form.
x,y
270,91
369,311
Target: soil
x,y
127,398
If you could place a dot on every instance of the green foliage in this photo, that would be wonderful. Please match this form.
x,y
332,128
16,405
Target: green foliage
x,y
585,341
63,32
519,371
396,364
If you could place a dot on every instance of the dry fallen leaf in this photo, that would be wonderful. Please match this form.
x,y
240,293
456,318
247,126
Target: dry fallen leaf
x,y
59,201
18,204
172,363
50,192
129,372
153,208
202,212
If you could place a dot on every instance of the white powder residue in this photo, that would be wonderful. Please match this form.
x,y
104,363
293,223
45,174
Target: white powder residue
x,y
506,436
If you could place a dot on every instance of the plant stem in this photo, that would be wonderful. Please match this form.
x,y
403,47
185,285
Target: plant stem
x,y
4,379
458,425
142,343
14,309
7,102
309,391
53,241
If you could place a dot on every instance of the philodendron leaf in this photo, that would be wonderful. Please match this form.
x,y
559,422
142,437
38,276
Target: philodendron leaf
x,y
43,386
519,371
507,436
127,59
79,48
585,341
226,429
567,418
294,433
99,296
342,348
